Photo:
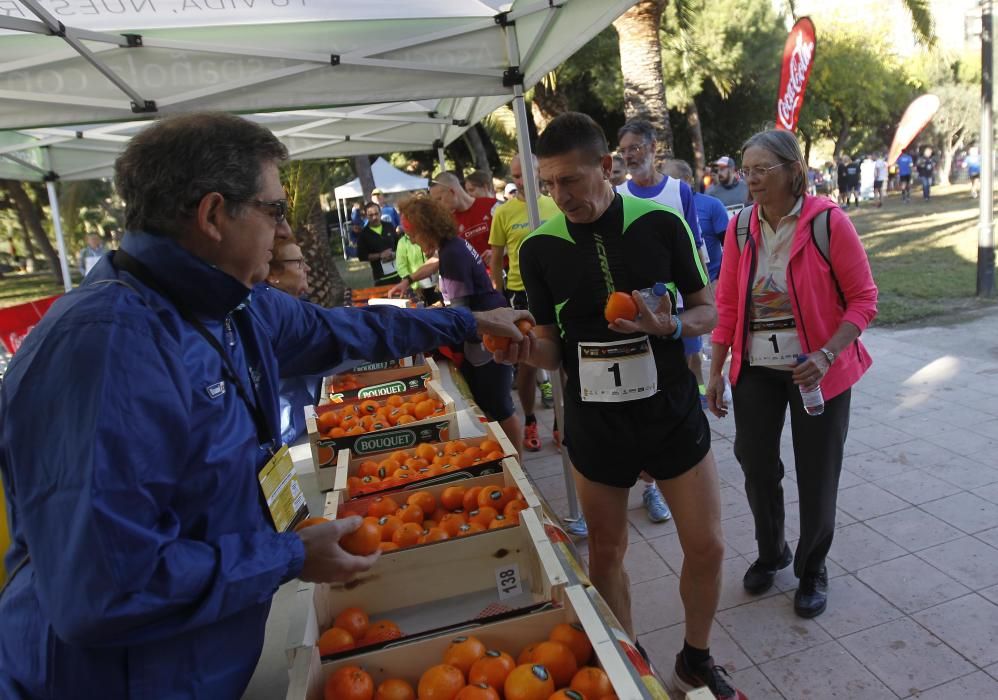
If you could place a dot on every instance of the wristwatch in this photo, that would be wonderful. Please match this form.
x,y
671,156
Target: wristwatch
x,y
829,355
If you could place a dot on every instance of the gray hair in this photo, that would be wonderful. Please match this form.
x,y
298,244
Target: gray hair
x,y
638,127
679,169
169,167
784,145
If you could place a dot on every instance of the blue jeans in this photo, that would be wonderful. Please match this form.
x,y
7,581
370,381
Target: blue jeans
x,y
926,186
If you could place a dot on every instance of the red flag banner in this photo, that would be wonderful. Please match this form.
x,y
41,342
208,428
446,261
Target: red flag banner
x,y
918,114
798,59
17,321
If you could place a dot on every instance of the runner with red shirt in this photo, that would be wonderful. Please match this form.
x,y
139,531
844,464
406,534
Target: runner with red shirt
x,y
472,214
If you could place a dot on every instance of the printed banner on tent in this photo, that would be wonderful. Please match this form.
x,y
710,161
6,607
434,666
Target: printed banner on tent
x,y
918,114
798,59
17,321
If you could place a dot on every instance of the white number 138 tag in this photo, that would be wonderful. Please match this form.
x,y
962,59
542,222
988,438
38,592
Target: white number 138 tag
x,y
508,581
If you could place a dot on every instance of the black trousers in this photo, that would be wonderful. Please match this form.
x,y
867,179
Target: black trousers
x,y
760,402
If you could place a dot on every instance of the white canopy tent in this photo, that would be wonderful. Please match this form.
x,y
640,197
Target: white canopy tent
x,y
386,178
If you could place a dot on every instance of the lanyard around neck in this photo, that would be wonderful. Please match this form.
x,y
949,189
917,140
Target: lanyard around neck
x,y
123,261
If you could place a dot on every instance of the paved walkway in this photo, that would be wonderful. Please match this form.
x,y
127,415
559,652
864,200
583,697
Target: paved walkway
x,y
913,601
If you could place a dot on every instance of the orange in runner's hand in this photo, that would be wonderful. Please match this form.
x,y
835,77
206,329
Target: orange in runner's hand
x,y
620,305
362,541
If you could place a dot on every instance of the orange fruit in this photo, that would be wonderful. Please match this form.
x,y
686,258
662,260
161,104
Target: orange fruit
x,y
442,682
572,636
327,421
362,541
452,497
492,668
411,513
353,620
528,682
368,407
493,456
408,534
473,453
368,467
463,652
591,682
567,694
470,501
428,525
488,445
558,660
353,483
483,516
370,480
620,305
402,420
436,534
425,450
469,529
381,631
493,496
388,547
394,401
424,500
334,433
424,409
477,691
524,657
349,683
335,639
513,508
451,522
454,448
382,505
463,461
395,689
309,522
495,342
501,521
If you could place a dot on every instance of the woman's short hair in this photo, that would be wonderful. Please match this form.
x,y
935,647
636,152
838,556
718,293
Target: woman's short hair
x,y
276,267
429,217
167,169
784,145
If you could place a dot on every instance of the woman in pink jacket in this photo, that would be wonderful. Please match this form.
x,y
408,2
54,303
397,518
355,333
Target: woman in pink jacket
x,y
791,304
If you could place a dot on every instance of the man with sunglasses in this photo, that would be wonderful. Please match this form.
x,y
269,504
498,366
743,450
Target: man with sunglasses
x,y
140,424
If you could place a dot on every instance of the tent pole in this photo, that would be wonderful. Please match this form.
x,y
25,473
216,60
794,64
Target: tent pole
x,y
60,240
441,156
534,216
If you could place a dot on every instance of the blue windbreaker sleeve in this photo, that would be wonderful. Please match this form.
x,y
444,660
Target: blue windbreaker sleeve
x,y
99,504
310,339
690,212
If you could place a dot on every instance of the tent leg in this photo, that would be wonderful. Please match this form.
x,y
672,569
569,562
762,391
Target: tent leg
x,y
533,212
442,158
60,240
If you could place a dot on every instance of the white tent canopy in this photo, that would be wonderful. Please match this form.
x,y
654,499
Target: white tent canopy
x,y
65,62
386,178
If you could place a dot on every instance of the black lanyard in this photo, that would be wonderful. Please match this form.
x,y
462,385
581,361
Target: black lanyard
x,y
123,261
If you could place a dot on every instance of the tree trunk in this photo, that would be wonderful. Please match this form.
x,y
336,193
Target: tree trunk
x,y
841,140
547,104
362,165
477,148
696,136
807,145
28,214
327,286
29,246
946,162
641,66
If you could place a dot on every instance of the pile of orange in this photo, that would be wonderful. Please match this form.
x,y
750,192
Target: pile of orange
x,y
553,669
344,382
422,462
353,628
370,414
408,519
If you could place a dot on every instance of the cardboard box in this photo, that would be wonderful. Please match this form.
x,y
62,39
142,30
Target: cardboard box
x,y
356,386
324,450
443,585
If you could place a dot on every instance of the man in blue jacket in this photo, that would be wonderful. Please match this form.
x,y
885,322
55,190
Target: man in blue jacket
x,y
136,417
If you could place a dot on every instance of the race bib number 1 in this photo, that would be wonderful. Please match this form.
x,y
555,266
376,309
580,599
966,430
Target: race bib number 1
x,y
774,343
623,370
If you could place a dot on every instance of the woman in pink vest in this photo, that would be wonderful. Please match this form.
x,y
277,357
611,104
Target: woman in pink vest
x,y
794,294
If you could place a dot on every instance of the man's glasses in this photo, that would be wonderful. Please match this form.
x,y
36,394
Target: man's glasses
x,y
631,150
758,171
300,262
279,206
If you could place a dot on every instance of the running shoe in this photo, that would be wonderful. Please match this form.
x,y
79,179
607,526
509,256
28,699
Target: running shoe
x,y
547,395
577,528
531,441
658,510
708,674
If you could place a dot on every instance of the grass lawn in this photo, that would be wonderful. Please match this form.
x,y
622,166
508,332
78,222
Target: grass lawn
x,y
923,254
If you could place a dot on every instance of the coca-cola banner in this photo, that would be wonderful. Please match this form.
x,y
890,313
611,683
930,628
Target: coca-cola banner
x,y
17,321
918,114
798,59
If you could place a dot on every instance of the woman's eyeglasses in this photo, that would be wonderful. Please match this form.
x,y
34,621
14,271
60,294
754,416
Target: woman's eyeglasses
x,y
758,171
300,262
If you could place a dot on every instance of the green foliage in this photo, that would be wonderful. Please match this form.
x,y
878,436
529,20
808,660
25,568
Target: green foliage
x,y
303,180
592,74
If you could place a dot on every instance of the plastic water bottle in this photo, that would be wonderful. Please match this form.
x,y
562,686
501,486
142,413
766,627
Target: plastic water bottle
x,y
814,402
653,295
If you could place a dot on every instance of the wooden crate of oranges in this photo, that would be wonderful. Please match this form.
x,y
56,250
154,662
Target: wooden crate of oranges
x,y
424,464
357,386
538,656
374,425
414,590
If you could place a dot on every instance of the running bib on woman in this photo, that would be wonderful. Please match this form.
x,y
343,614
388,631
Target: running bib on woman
x,y
774,343
623,370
